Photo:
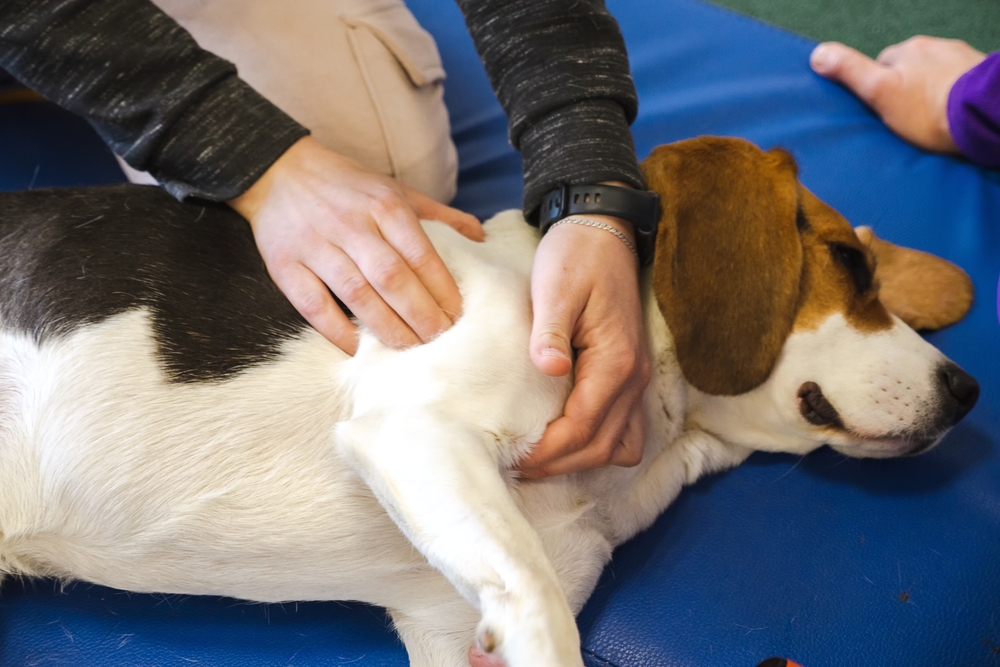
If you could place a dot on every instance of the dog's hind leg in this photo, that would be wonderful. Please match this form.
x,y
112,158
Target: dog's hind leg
x,y
441,483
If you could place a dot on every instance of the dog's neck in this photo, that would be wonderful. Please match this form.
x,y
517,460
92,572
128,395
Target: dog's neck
x,y
676,452
667,401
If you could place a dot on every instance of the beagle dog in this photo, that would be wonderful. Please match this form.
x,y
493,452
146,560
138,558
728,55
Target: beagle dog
x,y
169,424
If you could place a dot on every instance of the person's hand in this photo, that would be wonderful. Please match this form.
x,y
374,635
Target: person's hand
x,y
907,85
321,220
585,294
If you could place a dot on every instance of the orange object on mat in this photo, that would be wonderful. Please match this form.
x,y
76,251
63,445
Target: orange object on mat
x,y
778,662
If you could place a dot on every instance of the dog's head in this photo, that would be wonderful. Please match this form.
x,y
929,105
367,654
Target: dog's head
x,y
793,329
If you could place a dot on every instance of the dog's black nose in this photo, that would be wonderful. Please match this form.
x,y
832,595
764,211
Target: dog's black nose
x,y
961,387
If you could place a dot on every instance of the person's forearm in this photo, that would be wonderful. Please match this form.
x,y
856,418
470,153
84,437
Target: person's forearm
x,y
561,73
157,99
974,112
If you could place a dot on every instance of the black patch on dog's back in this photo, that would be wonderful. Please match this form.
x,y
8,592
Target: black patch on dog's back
x,y
71,257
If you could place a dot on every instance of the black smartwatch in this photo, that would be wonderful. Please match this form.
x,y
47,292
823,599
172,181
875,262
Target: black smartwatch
x,y
640,207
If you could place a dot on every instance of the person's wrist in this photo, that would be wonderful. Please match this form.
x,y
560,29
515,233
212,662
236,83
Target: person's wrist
x,y
945,138
595,235
624,227
953,100
249,203
621,224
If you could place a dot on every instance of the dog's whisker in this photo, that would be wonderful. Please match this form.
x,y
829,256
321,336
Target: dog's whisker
x,y
789,471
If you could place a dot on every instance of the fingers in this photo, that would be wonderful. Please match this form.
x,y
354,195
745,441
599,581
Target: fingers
x,y
587,434
921,47
401,264
585,295
309,296
428,209
550,344
334,267
908,85
568,448
629,452
325,224
862,75
388,273
891,54
550,347
602,423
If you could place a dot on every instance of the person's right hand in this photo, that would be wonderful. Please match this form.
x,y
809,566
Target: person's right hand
x,y
907,85
321,220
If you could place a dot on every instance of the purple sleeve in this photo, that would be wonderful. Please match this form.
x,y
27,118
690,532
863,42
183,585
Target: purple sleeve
x,y
974,112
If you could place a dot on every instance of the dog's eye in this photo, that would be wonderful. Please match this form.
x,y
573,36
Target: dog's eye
x,y
856,264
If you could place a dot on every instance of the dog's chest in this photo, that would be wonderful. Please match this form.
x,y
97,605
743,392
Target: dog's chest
x,y
479,371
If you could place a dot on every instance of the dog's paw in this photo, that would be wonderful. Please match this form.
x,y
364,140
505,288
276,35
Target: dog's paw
x,y
479,658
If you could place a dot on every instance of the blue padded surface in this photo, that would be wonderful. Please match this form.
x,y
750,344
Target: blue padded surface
x,y
96,626
44,146
825,560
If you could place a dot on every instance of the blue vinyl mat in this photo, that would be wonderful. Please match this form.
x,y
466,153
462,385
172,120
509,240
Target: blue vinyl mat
x,y
829,561
44,146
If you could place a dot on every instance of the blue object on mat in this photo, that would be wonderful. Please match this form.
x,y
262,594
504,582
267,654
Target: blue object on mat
x,y
825,560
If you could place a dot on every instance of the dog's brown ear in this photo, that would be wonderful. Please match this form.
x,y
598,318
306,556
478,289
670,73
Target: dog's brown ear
x,y
925,291
728,258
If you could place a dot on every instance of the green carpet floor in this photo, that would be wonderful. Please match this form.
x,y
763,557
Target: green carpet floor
x,y
871,25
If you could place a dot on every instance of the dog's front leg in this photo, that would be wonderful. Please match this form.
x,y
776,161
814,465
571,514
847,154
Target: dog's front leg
x,y
441,483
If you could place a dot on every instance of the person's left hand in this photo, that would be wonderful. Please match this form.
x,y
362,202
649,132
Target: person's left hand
x,y
585,294
907,85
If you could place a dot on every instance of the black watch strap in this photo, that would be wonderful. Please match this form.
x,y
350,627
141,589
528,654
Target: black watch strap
x,y
640,207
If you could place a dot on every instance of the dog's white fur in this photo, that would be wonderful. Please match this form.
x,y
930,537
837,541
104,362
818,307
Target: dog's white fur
x,y
313,477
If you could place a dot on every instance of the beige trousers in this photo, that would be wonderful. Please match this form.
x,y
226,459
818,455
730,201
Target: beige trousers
x,y
362,75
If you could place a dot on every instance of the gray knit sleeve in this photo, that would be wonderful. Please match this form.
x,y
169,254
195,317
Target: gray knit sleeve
x,y
561,72
158,100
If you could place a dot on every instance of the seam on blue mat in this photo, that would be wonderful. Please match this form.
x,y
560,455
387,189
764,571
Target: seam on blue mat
x,y
734,15
602,660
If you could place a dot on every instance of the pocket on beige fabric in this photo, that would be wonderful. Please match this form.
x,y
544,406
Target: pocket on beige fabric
x,y
401,68
362,75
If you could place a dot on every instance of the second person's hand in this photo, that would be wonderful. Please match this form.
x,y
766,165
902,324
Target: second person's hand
x,y
322,221
907,85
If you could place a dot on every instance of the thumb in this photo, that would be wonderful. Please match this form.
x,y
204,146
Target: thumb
x,y
862,75
551,351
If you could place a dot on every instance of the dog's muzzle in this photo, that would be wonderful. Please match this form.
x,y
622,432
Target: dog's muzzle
x,y
957,393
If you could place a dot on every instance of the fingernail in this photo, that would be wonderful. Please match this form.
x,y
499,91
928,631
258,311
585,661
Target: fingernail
x,y
554,353
822,57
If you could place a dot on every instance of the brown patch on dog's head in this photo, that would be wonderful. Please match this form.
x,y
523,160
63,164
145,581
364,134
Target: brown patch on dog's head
x,y
745,255
865,278
839,273
728,258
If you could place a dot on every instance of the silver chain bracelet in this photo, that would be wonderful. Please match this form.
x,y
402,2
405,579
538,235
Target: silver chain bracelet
x,y
599,225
